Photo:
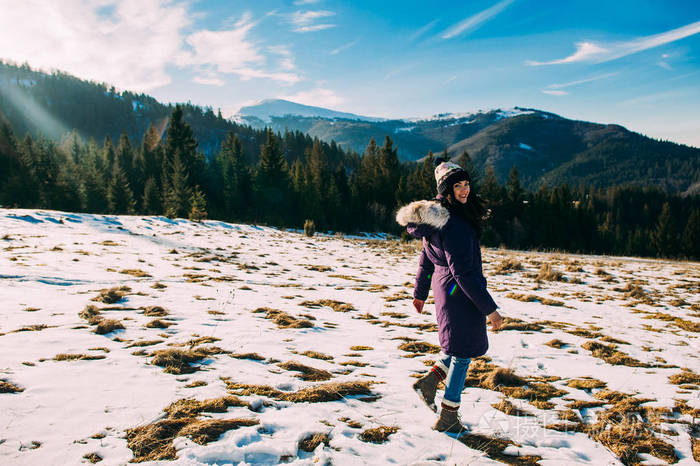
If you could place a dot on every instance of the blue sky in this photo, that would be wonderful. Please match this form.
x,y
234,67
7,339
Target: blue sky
x,y
635,63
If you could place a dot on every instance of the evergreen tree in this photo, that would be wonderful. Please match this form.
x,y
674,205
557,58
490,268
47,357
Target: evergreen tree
x,y
151,198
272,182
664,236
389,174
465,161
178,194
119,196
691,235
179,139
198,206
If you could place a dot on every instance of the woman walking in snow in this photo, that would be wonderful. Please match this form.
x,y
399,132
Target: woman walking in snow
x,y
450,226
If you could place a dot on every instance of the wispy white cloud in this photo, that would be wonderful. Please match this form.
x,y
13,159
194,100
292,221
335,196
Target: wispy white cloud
x,y
556,92
305,2
127,43
131,43
556,89
583,81
656,97
344,47
400,70
319,97
450,79
232,52
475,21
304,21
589,52
423,30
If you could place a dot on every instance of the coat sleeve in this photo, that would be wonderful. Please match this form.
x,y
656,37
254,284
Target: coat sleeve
x,y
461,260
424,276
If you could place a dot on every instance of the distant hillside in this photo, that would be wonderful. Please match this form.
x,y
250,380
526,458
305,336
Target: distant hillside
x,y
545,147
54,104
263,111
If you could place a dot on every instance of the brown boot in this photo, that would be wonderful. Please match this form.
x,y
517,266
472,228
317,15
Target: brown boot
x,y
426,387
449,420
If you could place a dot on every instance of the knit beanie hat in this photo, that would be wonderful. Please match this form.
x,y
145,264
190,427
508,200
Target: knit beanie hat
x,y
447,174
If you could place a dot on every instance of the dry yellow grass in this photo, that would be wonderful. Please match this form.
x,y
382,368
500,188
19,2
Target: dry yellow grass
x,y
112,295
313,440
419,347
611,355
315,394
585,383
76,357
510,409
105,326
176,361
337,306
138,273
306,372
378,434
317,355
508,265
189,407
556,343
282,319
548,273
685,377
9,387
155,311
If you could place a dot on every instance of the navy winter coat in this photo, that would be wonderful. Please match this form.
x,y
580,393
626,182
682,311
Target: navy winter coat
x,y
451,259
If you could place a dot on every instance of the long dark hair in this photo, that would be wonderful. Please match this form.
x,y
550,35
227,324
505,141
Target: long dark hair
x,y
474,210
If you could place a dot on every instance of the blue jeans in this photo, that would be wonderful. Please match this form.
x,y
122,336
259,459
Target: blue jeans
x,y
454,383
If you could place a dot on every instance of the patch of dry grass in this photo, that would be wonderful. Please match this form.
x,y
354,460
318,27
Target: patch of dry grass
x,y
76,357
158,323
679,322
311,441
493,447
155,311
611,355
112,295
306,372
315,394
32,328
337,306
251,356
686,376
138,273
513,323
510,409
361,348
177,361
378,434
92,457
282,319
196,383
203,432
105,326
189,407
548,273
556,343
9,387
317,355
508,265
502,377
581,404
398,296
419,347
586,383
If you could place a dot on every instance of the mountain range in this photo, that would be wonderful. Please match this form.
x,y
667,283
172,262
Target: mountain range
x,y
545,147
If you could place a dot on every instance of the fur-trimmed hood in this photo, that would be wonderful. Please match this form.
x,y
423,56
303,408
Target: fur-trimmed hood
x,y
430,213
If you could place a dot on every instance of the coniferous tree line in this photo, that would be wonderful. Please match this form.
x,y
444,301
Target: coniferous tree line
x,y
291,177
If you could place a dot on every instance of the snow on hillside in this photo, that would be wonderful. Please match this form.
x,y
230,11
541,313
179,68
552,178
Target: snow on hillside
x,y
268,108
128,337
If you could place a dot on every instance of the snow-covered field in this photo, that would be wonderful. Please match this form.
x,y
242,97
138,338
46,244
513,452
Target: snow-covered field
x,y
604,358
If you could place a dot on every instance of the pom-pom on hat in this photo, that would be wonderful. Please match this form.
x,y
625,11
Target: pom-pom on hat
x,y
447,174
